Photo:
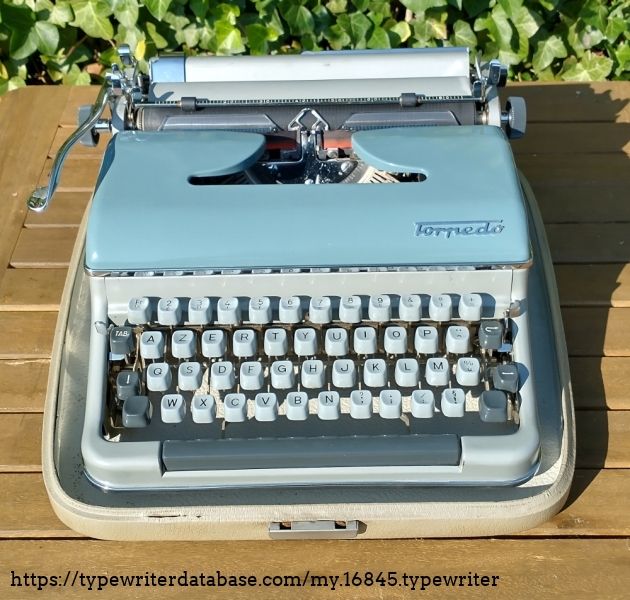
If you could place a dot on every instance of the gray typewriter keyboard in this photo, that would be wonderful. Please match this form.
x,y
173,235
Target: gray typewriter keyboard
x,y
188,371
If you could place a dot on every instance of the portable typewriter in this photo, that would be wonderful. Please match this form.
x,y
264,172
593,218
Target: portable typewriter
x,y
265,312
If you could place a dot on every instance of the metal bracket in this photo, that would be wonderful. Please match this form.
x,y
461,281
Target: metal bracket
x,y
320,122
314,530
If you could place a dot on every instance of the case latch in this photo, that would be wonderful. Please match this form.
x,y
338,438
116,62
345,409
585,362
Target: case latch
x,y
314,530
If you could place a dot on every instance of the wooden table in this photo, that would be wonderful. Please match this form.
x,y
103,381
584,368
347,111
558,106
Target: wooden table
x,y
576,155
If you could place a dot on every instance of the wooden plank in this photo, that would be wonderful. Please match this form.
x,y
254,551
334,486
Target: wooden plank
x,y
594,285
600,382
589,242
597,331
32,289
30,109
78,150
564,202
20,442
606,101
26,335
603,439
567,568
77,175
44,247
23,385
66,210
575,169
25,511
78,96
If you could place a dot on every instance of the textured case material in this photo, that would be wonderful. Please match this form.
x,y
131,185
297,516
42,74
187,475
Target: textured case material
x,y
382,512
447,219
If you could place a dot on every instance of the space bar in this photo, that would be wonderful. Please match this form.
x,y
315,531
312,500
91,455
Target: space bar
x,y
286,453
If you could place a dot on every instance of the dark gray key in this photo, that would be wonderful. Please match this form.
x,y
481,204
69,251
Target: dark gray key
x,y
127,384
491,335
505,377
136,412
385,450
493,406
121,340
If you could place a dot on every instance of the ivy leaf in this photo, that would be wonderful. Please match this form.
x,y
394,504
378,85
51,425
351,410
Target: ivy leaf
x,y
511,7
23,43
550,5
475,7
7,85
547,51
356,25
420,6
91,16
298,17
590,68
158,8
60,14
378,39
76,77
361,4
200,7
463,35
622,55
615,27
228,38
527,22
257,37
594,14
381,8
337,7
458,4
337,37
399,33
160,41
126,12
46,37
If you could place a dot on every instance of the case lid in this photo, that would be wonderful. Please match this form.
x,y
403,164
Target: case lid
x,y
147,216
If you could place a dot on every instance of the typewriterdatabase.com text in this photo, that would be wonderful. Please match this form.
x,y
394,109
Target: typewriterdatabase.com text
x,y
218,579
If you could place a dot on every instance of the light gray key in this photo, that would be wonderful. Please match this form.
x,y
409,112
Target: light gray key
x,y
159,377
169,311
203,408
426,340
344,373
453,402
139,311
305,342
437,372
505,377
441,308
136,412
282,375
266,407
244,343
380,308
410,308
297,406
152,344
328,406
407,373
360,404
422,404
199,311
260,310
183,343
470,306
235,408
276,342
395,340
222,375
493,406
350,310
251,376
390,404
457,340
491,335
290,310
365,341
173,408
467,371
320,310
336,342
213,343
375,372
189,376
228,311
313,374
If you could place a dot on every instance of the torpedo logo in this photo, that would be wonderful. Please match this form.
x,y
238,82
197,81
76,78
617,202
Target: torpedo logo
x,y
458,228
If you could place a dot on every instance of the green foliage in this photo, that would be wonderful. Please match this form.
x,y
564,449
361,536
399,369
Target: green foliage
x,y
73,42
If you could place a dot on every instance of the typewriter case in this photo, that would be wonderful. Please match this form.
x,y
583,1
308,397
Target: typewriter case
x,y
329,511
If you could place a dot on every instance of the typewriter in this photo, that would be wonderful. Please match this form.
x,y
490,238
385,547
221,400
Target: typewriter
x,y
307,270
